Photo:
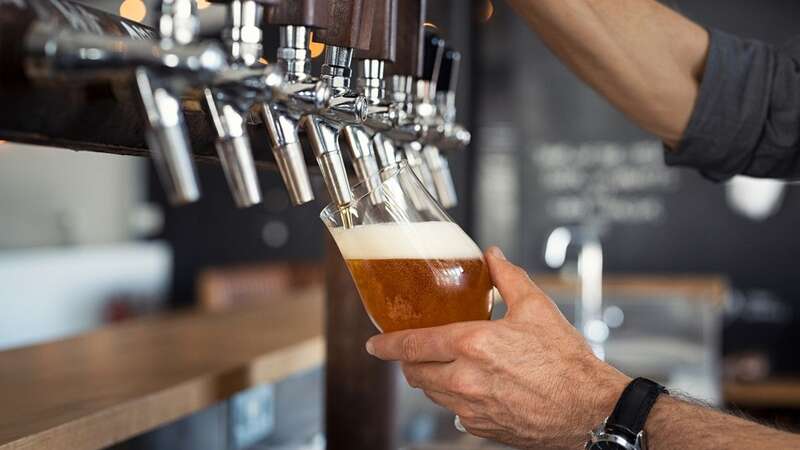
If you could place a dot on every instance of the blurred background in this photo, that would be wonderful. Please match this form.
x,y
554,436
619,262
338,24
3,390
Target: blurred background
x,y
547,154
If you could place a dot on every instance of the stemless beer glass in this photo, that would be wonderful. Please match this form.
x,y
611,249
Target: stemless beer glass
x,y
413,267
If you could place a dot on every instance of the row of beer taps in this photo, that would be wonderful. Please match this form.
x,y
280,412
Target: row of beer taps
x,y
401,106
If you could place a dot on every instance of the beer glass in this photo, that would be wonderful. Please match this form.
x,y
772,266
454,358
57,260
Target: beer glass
x,y
412,265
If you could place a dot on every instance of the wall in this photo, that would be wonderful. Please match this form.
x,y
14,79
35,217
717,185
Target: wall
x,y
68,222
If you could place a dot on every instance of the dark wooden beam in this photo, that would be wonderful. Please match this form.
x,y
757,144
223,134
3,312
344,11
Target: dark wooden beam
x,y
350,24
359,389
383,45
410,23
104,118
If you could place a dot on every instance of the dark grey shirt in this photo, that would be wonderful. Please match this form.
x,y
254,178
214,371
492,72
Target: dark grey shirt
x,y
747,117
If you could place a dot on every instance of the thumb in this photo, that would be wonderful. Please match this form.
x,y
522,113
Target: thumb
x,y
512,281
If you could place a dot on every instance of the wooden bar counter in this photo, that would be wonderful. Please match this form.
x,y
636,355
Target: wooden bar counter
x,y
100,388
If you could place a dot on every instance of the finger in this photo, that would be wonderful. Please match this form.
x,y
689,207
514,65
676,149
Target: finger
x,y
513,282
428,376
423,345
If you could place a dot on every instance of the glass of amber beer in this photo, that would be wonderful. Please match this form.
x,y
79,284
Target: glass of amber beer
x,y
412,265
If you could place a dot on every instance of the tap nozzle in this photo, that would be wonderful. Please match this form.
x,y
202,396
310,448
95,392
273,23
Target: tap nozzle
x,y
168,139
285,141
324,139
385,150
359,147
233,148
413,154
441,176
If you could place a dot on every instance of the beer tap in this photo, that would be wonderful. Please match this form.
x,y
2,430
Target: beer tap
x,y
445,130
424,112
345,106
302,93
166,132
455,136
381,113
399,75
229,98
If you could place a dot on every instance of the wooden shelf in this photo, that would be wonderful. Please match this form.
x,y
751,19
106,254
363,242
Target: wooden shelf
x,y
774,393
97,389
712,289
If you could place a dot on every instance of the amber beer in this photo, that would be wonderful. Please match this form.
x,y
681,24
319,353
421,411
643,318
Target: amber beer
x,y
417,275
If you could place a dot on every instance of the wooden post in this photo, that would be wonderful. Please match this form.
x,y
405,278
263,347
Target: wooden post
x,y
359,389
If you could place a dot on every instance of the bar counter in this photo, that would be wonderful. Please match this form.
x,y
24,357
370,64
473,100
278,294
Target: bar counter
x,y
103,387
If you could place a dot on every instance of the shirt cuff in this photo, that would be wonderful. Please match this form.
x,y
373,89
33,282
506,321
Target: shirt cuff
x,y
731,109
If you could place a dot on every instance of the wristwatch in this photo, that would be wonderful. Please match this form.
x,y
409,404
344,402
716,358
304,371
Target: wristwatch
x,y
624,428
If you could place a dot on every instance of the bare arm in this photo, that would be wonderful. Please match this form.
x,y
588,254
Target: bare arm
x,y
530,381
678,425
646,59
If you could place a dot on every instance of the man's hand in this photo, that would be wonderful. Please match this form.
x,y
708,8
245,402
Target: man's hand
x,y
528,380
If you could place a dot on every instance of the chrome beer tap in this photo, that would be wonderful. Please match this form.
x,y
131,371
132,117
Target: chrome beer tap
x,y
447,133
345,107
366,143
350,26
166,132
396,78
455,136
424,113
583,244
302,94
230,97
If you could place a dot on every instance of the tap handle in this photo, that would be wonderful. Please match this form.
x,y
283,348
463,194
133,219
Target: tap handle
x,y
448,74
383,45
178,21
350,24
410,29
432,55
307,13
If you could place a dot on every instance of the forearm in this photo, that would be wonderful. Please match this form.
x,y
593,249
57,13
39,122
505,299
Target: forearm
x,y
676,425
645,58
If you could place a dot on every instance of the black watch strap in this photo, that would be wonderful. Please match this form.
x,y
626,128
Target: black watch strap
x,y
634,406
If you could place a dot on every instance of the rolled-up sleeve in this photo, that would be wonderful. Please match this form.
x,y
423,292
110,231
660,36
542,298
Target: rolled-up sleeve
x,y
747,116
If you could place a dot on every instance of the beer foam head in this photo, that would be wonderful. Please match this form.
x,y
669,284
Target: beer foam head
x,y
421,240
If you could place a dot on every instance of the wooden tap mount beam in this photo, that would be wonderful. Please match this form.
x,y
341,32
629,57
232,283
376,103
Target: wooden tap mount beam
x,y
309,13
410,25
383,45
350,24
